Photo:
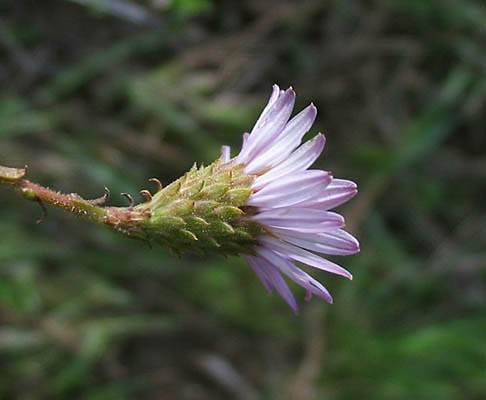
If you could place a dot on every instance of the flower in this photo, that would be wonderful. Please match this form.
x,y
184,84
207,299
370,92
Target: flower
x,y
264,203
290,201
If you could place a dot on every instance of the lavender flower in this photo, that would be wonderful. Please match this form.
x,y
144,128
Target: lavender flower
x,y
290,201
264,204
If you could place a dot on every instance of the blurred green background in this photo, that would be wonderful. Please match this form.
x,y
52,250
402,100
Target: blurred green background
x,y
114,92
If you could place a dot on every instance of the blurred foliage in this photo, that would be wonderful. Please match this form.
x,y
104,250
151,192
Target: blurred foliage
x,y
114,92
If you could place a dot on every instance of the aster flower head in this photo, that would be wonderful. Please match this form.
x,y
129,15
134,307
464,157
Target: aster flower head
x,y
290,201
264,203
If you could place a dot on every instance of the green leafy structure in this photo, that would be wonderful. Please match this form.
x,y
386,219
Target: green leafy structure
x,y
201,212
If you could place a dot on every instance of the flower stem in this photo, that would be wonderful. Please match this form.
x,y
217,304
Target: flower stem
x,y
73,203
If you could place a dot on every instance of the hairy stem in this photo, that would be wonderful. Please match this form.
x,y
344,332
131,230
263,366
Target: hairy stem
x,y
73,203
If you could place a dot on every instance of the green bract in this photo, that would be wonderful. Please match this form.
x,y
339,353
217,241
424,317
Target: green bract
x,y
202,212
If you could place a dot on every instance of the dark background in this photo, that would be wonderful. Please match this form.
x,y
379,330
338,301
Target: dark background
x,y
97,93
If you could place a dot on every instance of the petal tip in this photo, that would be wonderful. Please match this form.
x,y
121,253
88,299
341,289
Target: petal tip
x,y
291,92
225,153
348,275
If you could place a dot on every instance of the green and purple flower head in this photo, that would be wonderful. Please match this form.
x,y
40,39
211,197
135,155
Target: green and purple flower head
x,y
264,203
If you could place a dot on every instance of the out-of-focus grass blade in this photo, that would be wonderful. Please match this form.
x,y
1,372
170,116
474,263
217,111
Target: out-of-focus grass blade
x,y
429,129
73,78
100,334
18,118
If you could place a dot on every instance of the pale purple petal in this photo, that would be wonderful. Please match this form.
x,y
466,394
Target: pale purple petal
x,y
304,256
336,193
285,143
293,189
308,282
294,215
272,271
225,154
309,229
297,127
300,219
299,160
276,92
283,263
268,126
260,272
246,135
337,242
